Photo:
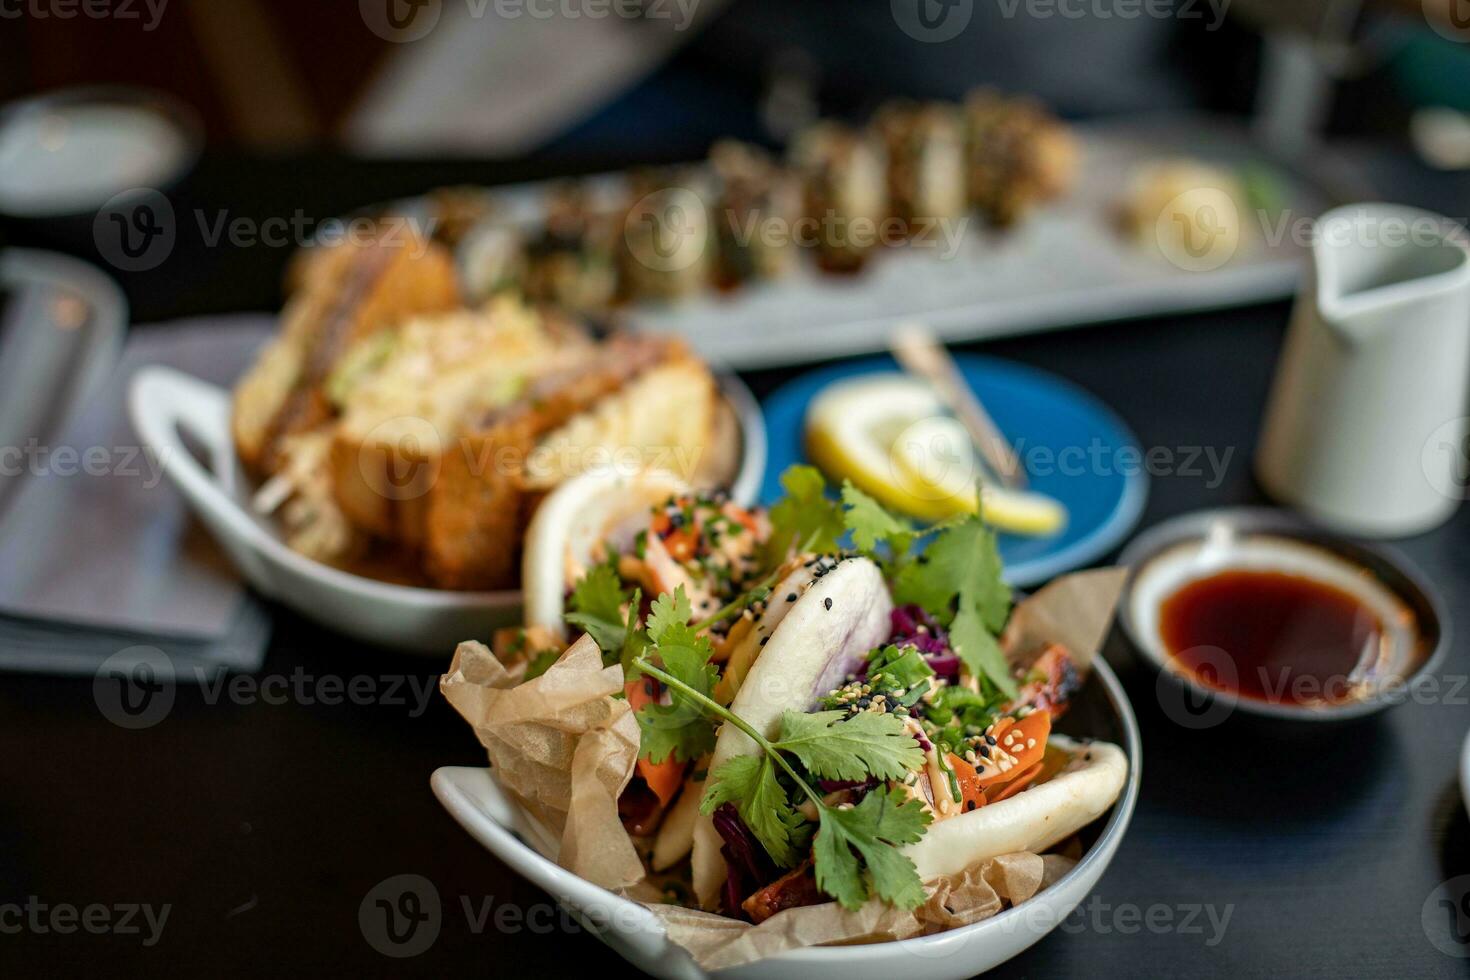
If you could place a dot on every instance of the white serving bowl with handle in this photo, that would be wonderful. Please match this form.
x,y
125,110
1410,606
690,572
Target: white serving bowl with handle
x,y
172,411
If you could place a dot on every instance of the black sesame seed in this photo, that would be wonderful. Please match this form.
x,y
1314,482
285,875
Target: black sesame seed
x,y
990,739
791,597
985,751
764,639
827,602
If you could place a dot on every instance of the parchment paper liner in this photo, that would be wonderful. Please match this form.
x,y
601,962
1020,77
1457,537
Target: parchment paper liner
x,y
564,747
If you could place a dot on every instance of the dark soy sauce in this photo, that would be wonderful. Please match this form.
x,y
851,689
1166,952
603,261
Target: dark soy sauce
x,y
1289,639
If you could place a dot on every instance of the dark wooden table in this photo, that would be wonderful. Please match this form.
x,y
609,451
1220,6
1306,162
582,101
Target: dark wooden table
x,y
263,826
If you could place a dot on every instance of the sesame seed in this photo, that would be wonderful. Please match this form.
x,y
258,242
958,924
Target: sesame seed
x,y
827,602
791,597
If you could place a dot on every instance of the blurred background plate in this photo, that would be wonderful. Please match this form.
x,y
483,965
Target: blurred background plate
x,y
1067,263
1098,474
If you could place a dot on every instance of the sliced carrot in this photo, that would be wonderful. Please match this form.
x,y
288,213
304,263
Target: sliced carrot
x,y
1027,746
986,783
663,778
1006,790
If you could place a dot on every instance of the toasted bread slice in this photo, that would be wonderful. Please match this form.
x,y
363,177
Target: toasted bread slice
x,y
485,492
347,292
440,373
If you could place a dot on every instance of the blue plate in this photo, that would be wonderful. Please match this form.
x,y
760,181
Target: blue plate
x,y
1075,448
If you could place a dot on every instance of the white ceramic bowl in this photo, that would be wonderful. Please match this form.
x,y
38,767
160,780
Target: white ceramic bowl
x,y
166,406
475,799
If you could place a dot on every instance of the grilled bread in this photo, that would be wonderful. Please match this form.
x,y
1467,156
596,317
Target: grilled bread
x,y
644,394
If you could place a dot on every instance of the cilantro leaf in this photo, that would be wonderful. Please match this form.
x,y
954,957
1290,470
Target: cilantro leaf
x,y
805,516
597,608
749,781
979,650
961,580
867,744
681,727
667,613
871,523
874,829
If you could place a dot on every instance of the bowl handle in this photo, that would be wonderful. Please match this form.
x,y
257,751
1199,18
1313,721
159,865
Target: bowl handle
x,y
163,403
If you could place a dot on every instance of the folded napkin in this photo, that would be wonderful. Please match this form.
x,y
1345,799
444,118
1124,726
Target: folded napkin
x,y
99,552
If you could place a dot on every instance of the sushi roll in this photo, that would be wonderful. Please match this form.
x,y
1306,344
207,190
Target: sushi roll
x,y
669,245
491,258
845,193
759,206
1019,155
926,163
572,263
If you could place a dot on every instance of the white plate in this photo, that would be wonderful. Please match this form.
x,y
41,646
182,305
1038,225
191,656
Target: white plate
x,y
166,405
475,799
1065,264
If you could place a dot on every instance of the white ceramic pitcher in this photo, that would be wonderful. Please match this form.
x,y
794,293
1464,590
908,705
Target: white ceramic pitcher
x,y
1365,429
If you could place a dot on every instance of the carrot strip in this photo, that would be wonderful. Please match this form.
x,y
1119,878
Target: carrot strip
x,y
663,778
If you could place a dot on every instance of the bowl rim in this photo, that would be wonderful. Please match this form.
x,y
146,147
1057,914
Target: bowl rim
x,y
1413,587
1098,856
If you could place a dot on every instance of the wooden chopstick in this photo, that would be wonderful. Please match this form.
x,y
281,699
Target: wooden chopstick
x,y
921,354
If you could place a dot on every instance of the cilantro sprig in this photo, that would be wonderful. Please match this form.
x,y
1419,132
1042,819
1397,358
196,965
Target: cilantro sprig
x,y
856,850
597,604
681,728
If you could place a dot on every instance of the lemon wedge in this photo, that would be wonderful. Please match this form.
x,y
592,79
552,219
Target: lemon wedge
x,y
890,436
